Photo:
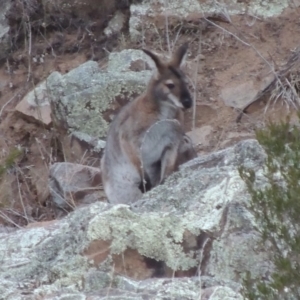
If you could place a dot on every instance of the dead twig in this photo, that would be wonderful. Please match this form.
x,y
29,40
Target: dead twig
x,y
167,27
29,49
195,86
8,219
9,101
279,78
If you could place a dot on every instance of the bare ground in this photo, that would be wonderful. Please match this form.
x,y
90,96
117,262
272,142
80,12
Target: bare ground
x,y
222,61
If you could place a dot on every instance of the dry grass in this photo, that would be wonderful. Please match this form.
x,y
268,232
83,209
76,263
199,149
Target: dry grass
x,y
8,168
286,83
287,91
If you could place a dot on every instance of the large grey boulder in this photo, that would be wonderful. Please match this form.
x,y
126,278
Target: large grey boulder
x,y
210,197
196,225
183,289
148,16
85,97
84,100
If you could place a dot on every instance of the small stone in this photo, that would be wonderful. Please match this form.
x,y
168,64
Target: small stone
x,y
74,184
201,56
116,24
36,105
241,95
201,136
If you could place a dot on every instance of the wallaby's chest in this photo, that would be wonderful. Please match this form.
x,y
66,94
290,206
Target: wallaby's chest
x,y
138,117
169,111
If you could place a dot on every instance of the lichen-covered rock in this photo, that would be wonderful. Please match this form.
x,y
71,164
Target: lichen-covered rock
x,y
55,255
36,106
158,289
116,24
148,13
211,197
197,224
83,101
220,293
83,98
129,60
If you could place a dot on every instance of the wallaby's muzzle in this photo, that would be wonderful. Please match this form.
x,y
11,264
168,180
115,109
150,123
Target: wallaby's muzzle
x,y
186,100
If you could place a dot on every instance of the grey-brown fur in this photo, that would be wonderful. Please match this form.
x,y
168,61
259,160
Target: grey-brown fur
x,y
146,141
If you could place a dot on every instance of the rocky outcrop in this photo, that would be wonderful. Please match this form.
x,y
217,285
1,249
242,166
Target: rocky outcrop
x,y
209,192
35,106
148,16
116,24
191,238
85,100
195,231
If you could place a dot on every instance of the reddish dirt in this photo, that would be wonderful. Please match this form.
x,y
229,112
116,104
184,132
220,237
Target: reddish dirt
x,y
225,62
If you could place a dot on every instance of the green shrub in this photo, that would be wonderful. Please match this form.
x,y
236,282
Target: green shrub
x,y
276,207
10,160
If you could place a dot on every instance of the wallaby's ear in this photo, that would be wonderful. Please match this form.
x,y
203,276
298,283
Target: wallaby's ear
x,y
178,56
159,65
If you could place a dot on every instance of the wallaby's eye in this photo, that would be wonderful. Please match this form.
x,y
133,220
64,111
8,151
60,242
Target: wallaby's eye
x,y
170,85
186,140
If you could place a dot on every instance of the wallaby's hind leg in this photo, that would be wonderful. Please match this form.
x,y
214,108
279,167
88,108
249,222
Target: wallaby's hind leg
x,y
168,162
122,191
186,151
175,156
164,148
150,178
121,184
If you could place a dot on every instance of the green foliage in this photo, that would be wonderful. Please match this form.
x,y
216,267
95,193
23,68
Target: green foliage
x,y
276,208
10,160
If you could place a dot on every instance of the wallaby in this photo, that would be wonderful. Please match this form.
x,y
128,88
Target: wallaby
x,y
146,140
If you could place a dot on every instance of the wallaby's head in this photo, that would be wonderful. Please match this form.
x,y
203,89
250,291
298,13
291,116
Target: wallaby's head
x,y
171,84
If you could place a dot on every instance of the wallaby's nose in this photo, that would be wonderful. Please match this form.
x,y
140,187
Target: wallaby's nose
x,y
187,102
186,98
